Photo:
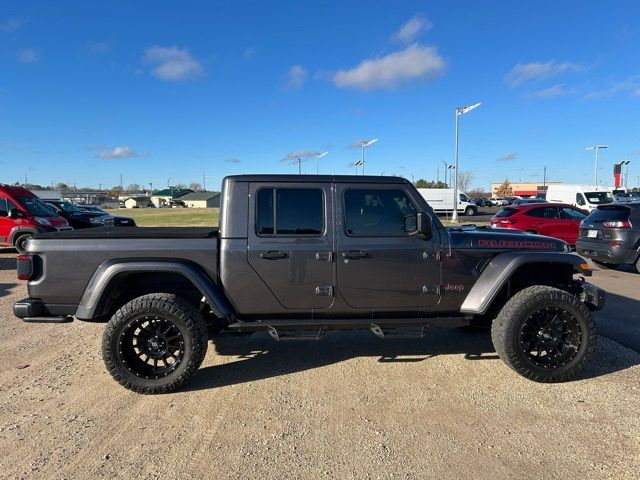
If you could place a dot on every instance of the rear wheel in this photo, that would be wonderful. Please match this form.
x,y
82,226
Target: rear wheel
x,y
544,334
20,241
154,343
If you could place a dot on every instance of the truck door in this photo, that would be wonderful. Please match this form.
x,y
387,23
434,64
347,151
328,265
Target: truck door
x,y
379,263
291,242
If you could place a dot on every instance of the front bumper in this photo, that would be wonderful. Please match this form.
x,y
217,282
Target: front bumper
x,y
593,297
604,252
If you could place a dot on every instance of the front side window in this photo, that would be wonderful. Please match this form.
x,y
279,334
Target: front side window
x,y
464,198
289,211
4,211
372,212
580,199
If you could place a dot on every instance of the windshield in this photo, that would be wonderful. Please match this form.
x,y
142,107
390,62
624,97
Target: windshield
x,y
37,207
68,207
599,197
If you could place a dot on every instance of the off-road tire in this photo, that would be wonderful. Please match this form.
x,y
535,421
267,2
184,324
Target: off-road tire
x,y
20,240
173,310
470,211
507,332
637,265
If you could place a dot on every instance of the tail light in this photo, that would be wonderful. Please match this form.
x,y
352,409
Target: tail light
x,y
617,224
24,267
507,221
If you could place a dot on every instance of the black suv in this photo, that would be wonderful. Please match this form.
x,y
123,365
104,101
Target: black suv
x,y
78,217
610,236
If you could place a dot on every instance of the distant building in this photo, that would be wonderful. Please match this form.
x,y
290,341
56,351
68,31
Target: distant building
x,y
137,202
201,199
48,194
523,189
168,195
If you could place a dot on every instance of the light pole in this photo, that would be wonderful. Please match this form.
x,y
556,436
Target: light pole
x,y
299,165
626,175
459,111
318,157
365,144
450,167
597,148
446,170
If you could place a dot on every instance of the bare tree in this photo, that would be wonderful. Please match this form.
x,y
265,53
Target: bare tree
x,y
465,177
195,186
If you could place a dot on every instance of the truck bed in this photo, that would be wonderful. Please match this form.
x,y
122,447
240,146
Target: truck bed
x,y
134,232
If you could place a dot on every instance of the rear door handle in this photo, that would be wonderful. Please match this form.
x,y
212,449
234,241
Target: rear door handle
x,y
355,254
273,255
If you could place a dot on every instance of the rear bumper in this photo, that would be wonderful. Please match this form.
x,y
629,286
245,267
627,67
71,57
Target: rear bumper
x,y
604,252
34,311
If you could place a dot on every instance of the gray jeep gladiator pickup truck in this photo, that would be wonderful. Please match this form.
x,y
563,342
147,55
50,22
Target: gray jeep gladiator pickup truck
x,y
296,256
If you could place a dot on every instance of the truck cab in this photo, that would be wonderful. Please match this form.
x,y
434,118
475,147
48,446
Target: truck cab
x,y
22,215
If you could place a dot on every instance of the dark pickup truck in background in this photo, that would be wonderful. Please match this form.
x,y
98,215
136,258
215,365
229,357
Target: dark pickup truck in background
x,y
296,256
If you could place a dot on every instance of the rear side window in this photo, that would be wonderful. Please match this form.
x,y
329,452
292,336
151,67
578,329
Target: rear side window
x,y
543,212
506,212
289,211
568,213
605,214
376,212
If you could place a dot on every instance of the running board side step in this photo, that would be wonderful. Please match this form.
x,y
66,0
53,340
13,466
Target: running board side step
x,y
379,332
292,335
61,319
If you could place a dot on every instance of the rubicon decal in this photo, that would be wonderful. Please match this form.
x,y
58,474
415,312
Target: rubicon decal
x,y
516,244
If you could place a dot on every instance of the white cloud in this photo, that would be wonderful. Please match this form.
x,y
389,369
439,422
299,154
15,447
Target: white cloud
x,y
172,63
233,160
554,91
415,61
249,53
11,25
119,152
100,47
409,31
303,154
508,156
296,76
630,85
28,55
523,72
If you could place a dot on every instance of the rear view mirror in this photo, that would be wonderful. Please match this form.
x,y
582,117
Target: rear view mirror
x,y
15,213
424,224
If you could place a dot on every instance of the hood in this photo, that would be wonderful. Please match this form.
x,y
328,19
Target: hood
x,y
499,239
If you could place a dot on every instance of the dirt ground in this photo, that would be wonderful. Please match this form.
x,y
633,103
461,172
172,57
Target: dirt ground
x,y
349,406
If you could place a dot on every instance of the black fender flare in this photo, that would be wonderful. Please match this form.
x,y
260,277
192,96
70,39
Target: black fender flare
x,y
107,271
496,274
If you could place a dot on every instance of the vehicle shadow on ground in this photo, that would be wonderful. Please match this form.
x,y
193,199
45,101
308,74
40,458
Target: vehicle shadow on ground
x,y
260,357
6,289
8,263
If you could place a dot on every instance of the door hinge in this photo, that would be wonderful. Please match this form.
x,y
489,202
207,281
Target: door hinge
x,y
431,255
431,289
325,291
324,256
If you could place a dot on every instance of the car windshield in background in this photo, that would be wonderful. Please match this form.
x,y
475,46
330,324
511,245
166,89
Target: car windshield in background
x,y
599,197
608,214
506,212
69,207
37,207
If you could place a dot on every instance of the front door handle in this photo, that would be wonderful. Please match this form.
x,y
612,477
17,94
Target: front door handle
x,y
273,255
354,254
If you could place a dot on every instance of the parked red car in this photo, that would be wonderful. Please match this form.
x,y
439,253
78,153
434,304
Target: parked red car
x,y
557,220
22,215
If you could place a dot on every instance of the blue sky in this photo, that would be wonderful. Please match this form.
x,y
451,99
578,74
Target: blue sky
x,y
90,90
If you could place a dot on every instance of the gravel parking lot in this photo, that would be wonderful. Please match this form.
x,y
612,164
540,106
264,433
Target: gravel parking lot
x,y
349,406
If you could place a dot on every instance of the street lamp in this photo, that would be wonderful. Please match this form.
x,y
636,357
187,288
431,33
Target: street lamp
x,y
596,148
459,111
626,175
450,167
359,162
365,144
318,157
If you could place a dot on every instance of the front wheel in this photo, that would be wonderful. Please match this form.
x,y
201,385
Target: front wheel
x,y
154,343
20,242
544,334
470,211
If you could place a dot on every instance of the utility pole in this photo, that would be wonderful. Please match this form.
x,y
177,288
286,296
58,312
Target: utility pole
x,y
456,199
544,179
120,184
204,183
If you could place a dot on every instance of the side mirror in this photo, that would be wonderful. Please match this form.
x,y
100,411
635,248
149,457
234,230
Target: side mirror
x,y
424,224
15,213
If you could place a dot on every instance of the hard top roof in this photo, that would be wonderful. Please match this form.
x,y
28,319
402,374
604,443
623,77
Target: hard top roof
x,y
316,178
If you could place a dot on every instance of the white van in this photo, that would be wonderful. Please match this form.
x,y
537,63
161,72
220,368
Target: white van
x,y
587,197
441,200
